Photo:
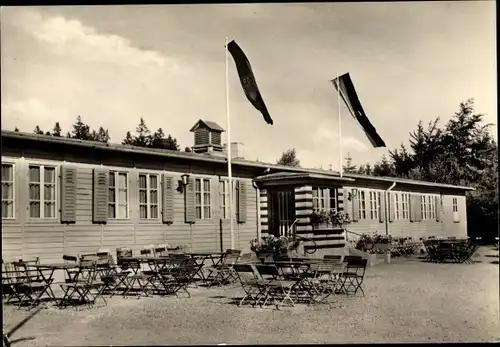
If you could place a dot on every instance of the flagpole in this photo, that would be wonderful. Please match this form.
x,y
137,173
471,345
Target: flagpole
x,y
229,169
340,128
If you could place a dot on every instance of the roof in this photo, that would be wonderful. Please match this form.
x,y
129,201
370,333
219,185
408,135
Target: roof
x,y
211,125
313,173
301,175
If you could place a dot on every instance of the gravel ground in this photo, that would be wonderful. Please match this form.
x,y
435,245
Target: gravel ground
x,y
406,301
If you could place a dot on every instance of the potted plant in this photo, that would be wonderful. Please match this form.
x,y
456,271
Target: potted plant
x,y
324,219
274,246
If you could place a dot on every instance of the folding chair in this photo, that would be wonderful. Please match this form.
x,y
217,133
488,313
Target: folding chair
x,y
223,272
114,277
353,276
139,277
249,282
274,287
31,287
175,279
86,288
11,282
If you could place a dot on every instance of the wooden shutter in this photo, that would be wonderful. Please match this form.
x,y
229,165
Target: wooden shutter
x,y
68,194
190,202
392,207
418,208
168,199
242,201
355,206
437,207
100,208
411,202
381,208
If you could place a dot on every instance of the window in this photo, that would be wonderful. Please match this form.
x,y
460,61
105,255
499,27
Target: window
x,y
456,217
203,198
118,195
455,205
423,206
224,198
432,208
374,204
397,206
7,191
42,191
362,204
405,209
148,196
324,198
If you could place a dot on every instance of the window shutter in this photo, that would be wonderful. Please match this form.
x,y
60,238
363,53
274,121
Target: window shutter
x,y
168,199
190,202
242,201
392,207
381,209
100,208
355,206
68,194
437,207
418,208
411,202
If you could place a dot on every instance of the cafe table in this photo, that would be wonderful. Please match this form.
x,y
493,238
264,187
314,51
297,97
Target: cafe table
x,y
201,258
47,271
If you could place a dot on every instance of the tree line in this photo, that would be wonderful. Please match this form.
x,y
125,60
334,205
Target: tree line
x,y
142,137
462,152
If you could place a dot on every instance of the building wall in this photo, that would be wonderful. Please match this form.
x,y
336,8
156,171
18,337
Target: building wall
x,y
27,238
441,226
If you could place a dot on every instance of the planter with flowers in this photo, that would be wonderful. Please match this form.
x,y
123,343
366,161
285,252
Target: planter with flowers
x,y
330,219
274,246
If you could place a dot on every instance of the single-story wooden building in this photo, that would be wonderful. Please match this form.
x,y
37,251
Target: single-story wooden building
x,y
67,196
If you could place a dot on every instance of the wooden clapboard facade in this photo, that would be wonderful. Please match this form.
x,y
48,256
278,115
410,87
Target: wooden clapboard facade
x,y
67,196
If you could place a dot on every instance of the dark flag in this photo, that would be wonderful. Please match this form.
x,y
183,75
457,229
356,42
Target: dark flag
x,y
350,97
248,80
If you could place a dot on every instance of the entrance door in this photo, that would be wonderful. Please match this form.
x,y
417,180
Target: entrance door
x,y
281,211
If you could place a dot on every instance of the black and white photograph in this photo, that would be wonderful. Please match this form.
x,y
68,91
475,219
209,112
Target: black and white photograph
x,y
249,173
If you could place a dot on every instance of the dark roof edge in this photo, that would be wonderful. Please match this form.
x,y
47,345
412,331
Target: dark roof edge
x,y
208,158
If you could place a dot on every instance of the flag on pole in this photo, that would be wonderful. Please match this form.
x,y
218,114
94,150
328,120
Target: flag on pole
x,y
350,97
248,80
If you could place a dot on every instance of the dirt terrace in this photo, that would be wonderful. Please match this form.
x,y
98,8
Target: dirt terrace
x,y
406,301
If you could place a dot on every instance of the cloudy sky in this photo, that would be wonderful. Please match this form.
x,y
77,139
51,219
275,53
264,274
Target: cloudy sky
x,y
409,61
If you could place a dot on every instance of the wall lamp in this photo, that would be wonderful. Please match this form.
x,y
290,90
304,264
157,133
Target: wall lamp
x,y
184,181
354,192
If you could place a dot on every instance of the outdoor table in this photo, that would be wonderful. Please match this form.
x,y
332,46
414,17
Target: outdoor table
x,y
201,257
41,268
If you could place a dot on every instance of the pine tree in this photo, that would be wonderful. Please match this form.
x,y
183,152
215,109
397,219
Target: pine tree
x,y
128,140
57,130
16,129
289,158
38,131
81,131
143,135
348,167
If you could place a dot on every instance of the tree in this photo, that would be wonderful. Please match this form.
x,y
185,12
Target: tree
x,y
187,149
289,158
170,143
143,135
16,129
383,168
157,139
56,131
462,153
102,135
38,131
348,167
128,140
81,130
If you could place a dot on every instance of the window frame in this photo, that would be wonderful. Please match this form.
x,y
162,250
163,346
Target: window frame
x,y
454,203
374,204
432,207
423,207
405,206
13,182
397,206
325,198
148,196
362,204
224,198
202,196
42,183
116,203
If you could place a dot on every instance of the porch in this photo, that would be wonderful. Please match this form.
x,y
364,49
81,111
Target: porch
x,y
287,201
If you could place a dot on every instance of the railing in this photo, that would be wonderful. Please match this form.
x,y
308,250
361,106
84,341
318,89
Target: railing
x,y
291,227
350,232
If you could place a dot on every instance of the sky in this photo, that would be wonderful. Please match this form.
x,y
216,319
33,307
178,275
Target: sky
x,y
409,61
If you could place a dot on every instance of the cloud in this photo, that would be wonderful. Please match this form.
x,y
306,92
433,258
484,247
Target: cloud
x,y
73,38
324,135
